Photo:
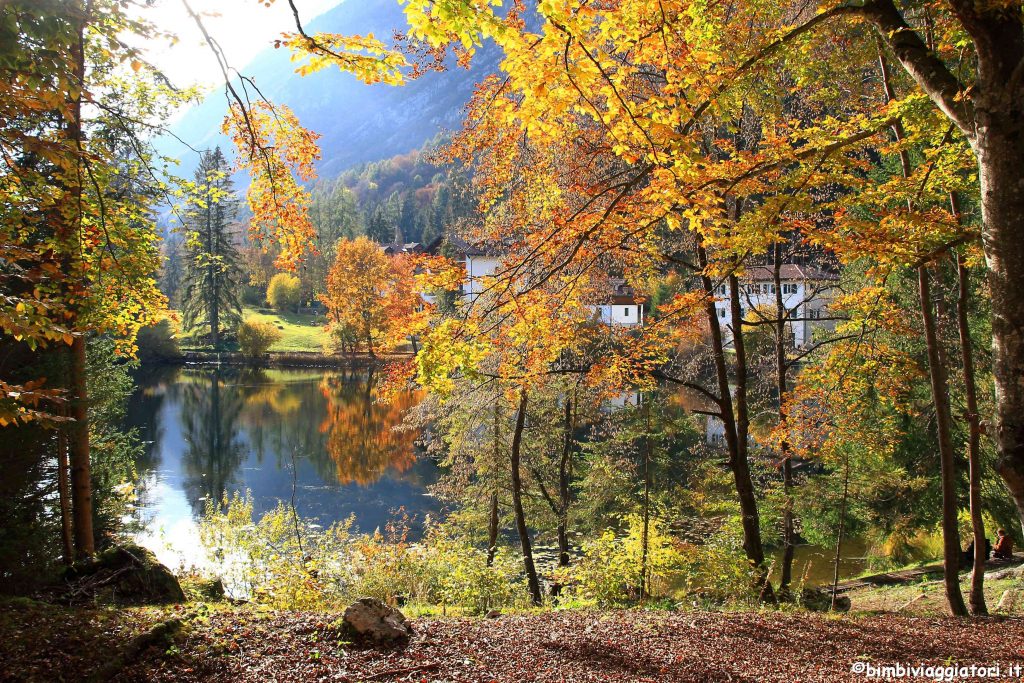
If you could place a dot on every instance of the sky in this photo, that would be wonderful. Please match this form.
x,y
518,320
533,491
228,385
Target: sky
x,y
242,27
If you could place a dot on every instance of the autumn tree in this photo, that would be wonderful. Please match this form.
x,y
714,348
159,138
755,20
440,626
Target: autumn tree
x,y
284,292
373,294
964,57
79,252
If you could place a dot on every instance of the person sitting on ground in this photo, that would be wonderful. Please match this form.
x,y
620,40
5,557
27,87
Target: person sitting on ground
x,y
968,558
1004,545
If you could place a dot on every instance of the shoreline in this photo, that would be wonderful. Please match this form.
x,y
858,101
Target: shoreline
x,y
293,359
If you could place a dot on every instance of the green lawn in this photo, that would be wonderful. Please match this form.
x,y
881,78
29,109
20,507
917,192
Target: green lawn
x,y
298,332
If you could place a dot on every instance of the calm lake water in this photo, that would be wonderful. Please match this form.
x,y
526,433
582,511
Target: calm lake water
x,y
214,431
210,431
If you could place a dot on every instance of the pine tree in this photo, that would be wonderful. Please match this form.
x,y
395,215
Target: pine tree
x,y
213,277
380,227
173,269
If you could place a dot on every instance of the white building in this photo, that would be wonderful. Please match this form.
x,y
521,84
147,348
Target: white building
x,y
806,292
620,307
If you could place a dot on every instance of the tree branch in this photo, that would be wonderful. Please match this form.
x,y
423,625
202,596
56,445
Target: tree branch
x,y
930,72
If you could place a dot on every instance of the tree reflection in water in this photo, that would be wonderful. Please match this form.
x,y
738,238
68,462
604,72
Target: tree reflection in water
x,y
342,428
214,451
364,438
217,431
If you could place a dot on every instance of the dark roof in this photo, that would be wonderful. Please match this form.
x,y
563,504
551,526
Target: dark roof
x,y
788,271
464,247
621,292
407,248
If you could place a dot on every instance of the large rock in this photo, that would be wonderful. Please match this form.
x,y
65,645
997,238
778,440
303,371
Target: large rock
x,y
371,619
125,575
1008,573
1008,600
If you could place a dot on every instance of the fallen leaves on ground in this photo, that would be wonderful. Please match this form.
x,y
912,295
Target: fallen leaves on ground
x,y
241,645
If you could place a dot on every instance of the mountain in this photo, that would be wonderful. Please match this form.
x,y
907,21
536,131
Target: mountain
x,y
358,123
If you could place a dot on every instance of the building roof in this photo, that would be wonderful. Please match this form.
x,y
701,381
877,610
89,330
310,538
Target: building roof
x,y
621,292
463,247
789,272
406,248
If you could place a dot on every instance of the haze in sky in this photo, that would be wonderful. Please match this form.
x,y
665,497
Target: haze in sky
x,y
242,28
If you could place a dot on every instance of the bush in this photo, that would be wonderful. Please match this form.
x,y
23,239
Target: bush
x,y
284,292
266,562
609,571
158,342
255,338
608,574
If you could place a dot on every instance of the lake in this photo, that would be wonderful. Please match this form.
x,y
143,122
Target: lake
x,y
208,431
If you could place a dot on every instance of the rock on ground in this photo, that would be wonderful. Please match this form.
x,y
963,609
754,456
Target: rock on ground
x,y
123,575
369,618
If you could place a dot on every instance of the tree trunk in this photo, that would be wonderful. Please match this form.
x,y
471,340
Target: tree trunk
x,y
781,369
645,540
517,502
64,494
940,397
977,594
842,528
564,490
492,527
492,530
740,464
737,452
81,470
78,445
1000,148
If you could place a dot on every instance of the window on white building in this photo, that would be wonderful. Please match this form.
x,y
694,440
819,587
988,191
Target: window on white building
x,y
789,289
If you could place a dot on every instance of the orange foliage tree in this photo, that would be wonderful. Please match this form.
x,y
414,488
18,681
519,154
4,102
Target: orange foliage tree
x,y
372,297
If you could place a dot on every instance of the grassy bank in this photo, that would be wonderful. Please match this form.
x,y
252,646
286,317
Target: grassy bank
x,y
300,332
927,597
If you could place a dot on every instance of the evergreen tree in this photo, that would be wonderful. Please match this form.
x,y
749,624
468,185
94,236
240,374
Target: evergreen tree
x,y
380,227
407,227
213,277
173,270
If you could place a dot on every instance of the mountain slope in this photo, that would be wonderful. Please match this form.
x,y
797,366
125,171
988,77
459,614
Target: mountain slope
x,y
358,122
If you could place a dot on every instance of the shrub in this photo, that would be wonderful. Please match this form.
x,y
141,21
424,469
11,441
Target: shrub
x,y
286,562
284,292
158,342
280,560
609,571
461,577
255,338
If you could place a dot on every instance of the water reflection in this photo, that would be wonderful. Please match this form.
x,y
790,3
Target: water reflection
x,y
361,437
215,452
211,432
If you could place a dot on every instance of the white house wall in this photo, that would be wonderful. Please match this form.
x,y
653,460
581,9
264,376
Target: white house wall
x,y
793,298
621,314
478,267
